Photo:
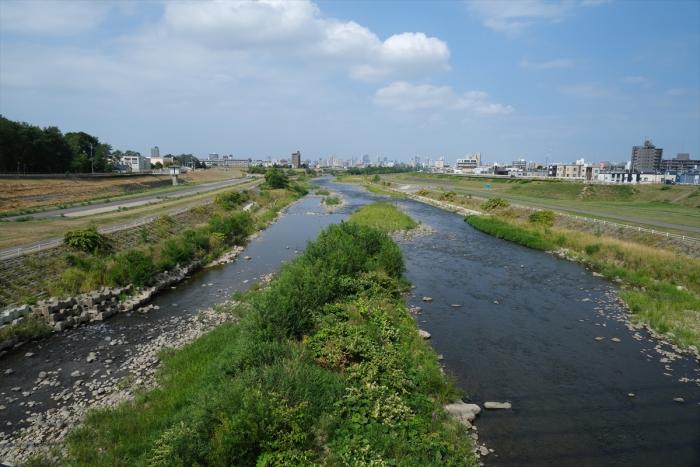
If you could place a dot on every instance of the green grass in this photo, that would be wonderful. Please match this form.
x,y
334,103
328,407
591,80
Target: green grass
x,y
332,200
28,328
507,231
647,205
325,367
384,216
661,288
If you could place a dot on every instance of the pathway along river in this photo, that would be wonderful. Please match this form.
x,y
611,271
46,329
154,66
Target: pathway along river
x,y
525,333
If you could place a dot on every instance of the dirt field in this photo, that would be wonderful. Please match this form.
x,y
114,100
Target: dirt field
x,y
17,195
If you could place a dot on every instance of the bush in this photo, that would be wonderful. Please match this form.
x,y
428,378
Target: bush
x,y
275,178
234,227
331,200
493,204
545,218
133,267
88,240
231,199
592,248
376,178
175,251
448,196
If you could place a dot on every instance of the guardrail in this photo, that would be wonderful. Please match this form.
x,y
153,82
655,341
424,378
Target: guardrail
x,y
10,253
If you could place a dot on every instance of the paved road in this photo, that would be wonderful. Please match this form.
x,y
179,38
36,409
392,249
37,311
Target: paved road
x,y
80,211
438,184
89,210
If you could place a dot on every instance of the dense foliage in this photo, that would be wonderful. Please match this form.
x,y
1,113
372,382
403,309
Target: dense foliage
x,y
139,266
26,148
325,367
88,240
231,199
275,178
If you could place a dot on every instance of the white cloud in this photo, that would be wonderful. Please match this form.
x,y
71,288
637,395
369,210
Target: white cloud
x,y
231,24
298,30
51,18
409,97
586,90
556,64
640,81
513,16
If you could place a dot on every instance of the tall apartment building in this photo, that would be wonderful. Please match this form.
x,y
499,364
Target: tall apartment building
x,y
296,159
155,152
646,158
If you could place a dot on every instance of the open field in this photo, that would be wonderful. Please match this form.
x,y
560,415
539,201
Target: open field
x,y
17,195
20,233
675,209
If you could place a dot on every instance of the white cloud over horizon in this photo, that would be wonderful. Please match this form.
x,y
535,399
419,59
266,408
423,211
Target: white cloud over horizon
x,y
407,97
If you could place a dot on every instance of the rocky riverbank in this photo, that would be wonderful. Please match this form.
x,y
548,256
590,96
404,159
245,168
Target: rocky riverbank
x,y
99,380
62,313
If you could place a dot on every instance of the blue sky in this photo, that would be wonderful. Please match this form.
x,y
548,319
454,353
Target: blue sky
x,y
510,79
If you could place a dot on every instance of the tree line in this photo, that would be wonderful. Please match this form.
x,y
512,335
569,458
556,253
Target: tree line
x,y
26,148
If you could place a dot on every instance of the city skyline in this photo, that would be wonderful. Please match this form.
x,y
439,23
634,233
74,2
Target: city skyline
x,y
507,79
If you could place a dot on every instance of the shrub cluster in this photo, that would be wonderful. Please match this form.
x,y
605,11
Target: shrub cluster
x,y
88,240
325,367
139,266
544,217
231,199
493,204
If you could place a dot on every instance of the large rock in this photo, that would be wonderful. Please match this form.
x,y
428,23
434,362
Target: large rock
x,y
465,413
497,405
424,334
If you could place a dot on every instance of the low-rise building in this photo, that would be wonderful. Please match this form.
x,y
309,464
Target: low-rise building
x,y
136,163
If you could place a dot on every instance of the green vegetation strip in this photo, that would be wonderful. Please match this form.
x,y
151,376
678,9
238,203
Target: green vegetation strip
x,y
324,367
383,216
661,288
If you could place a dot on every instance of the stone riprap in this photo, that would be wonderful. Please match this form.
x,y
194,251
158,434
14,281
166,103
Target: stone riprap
x,y
62,313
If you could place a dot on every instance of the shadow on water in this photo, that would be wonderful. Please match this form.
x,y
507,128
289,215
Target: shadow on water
x,y
525,333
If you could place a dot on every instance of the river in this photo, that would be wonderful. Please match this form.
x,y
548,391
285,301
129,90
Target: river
x,y
524,333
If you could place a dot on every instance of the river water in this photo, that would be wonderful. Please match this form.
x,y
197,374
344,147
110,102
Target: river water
x,y
524,333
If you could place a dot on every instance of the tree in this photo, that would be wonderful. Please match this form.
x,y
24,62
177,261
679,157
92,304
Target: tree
x,y
275,178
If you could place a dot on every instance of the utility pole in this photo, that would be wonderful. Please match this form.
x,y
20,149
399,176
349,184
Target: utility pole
x,y
92,158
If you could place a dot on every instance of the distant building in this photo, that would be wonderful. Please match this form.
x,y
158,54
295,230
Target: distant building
x,y
646,158
296,160
468,163
682,162
519,164
136,163
155,152
162,160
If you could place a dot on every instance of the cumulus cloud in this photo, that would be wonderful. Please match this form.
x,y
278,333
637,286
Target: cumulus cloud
x,y
512,17
299,29
409,97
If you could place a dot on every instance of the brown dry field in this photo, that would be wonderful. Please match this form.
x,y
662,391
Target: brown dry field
x,y
21,194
